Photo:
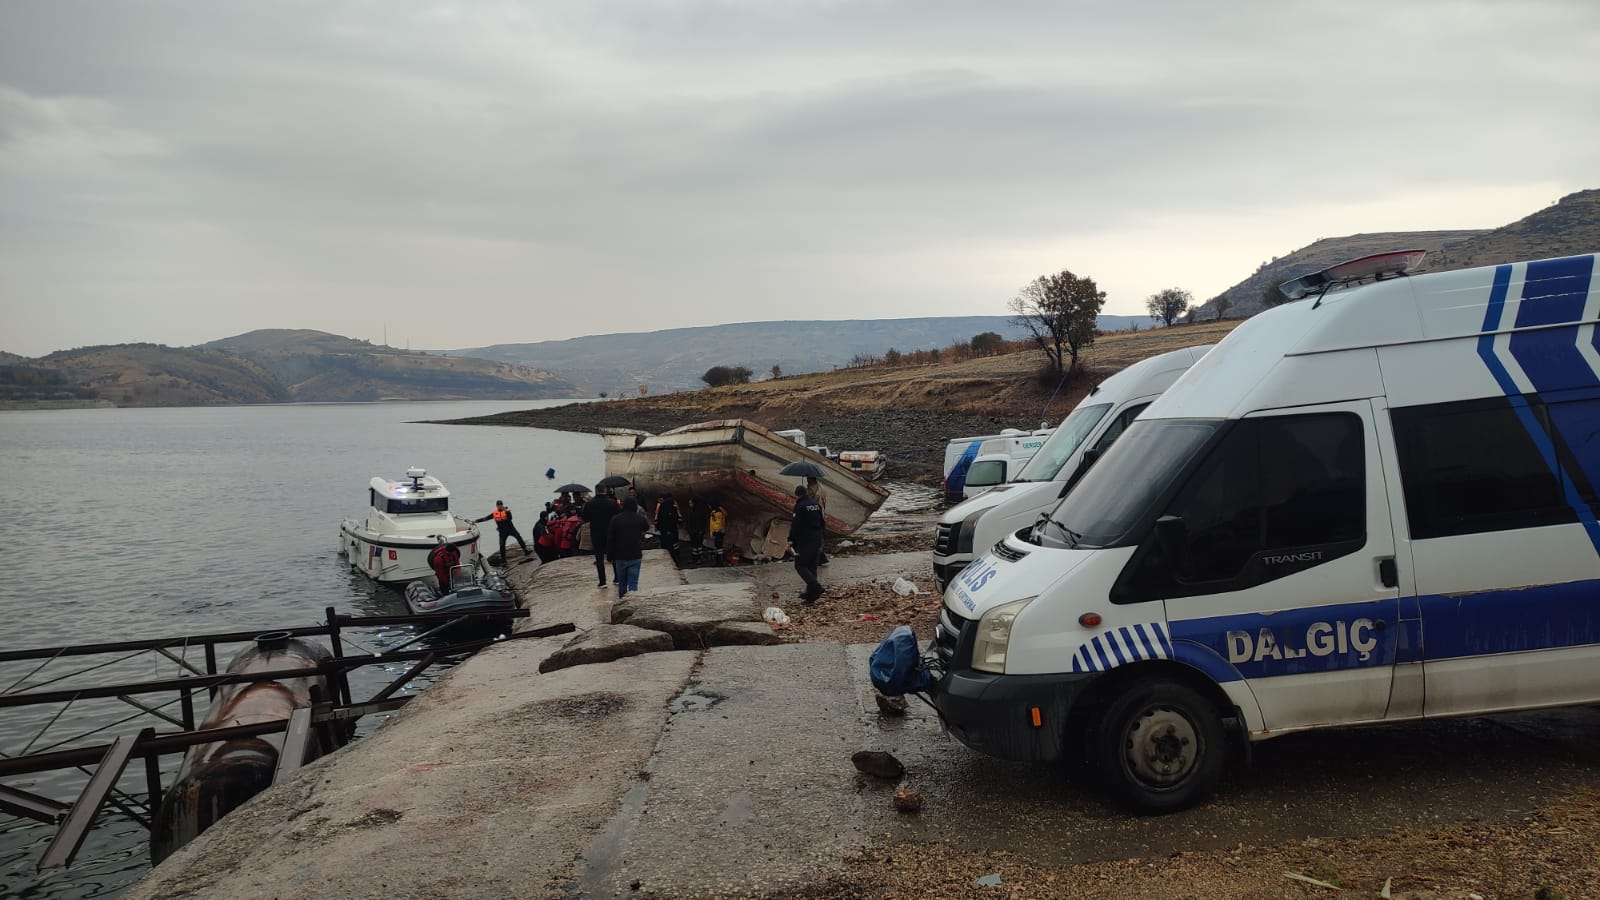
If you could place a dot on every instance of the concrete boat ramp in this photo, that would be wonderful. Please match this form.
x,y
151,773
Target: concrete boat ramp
x,y
677,772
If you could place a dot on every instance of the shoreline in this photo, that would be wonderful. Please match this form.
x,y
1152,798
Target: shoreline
x,y
913,440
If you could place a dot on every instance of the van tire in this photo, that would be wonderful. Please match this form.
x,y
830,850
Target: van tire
x,y
1158,747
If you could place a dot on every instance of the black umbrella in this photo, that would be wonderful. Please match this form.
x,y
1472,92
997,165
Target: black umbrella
x,y
573,488
612,481
804,468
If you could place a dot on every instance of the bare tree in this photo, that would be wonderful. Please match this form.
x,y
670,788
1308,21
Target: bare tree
x,y
1222,304
1059,312
1169,304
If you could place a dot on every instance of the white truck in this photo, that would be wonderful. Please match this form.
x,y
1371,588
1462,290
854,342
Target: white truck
x,y
1375,504
1097,421
978,463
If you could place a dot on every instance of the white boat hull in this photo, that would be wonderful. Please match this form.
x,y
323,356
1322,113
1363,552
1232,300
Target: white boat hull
x,y
396,559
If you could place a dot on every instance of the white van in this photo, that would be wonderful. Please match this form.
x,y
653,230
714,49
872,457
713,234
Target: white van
x,y
1097,421
976,464
1376,505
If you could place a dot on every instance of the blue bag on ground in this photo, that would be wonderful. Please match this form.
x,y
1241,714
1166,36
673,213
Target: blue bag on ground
x,y
896,666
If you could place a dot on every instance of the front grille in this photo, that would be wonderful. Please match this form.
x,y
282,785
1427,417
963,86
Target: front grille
x,y
947,634
945,538
1006,553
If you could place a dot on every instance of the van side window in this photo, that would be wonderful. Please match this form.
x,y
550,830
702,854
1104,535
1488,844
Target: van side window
x,y
1276,496
1116,428
1473,466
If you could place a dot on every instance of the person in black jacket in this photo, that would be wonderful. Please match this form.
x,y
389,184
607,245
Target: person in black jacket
x,y
668,518
625,545
805,535
598,513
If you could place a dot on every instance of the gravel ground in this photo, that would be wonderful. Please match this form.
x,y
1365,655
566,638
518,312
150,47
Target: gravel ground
x,y
1550,854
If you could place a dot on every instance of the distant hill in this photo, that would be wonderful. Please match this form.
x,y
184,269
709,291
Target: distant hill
x,y
674,359
316,365
1569,226
1245,297
156,375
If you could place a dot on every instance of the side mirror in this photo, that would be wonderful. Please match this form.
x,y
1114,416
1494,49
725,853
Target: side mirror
x,y
1171,536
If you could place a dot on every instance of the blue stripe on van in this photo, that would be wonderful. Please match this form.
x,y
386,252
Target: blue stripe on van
x,y
1555,291
1542,617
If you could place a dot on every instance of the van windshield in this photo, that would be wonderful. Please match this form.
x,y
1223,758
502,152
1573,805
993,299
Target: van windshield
x,y
1063,442
1118,491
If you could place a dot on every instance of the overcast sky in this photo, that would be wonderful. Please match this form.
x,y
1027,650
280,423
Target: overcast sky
x,y
488,172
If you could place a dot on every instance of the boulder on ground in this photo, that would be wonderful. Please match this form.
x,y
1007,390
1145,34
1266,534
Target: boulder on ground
x,y
604,643
877,763
690,614
732,633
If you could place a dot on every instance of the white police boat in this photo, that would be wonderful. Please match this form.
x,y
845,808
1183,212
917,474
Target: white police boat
x,y
404,518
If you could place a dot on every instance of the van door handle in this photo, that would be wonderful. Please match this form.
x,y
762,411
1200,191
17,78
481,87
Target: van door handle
x,y
1388,572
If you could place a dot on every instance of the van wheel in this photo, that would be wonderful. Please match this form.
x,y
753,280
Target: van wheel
x,y
1158,747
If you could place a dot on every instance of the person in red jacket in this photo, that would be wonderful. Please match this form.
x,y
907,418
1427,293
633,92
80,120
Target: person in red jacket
x,y
443,559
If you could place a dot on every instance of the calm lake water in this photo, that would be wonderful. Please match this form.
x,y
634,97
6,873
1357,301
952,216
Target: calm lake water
x,y
128,523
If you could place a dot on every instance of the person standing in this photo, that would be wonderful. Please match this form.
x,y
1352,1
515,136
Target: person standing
x,y
814,488
625,545
598,513
695,524
805,534
502,522
718,522
443,559
667,520
543,543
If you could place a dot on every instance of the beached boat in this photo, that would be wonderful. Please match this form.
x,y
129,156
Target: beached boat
x,y
736,462
869,464
402,525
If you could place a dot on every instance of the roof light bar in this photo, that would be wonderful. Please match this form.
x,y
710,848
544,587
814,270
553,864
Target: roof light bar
x,y
1377,267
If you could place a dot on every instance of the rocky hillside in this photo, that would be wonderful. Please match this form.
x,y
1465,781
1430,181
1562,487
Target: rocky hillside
x,y
1245,298
155,375
1567,227
317,366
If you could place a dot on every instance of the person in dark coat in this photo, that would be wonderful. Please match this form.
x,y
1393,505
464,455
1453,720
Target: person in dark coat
x,y
625,545
695,524
598,513
805,535
668,519
502,522
443,559
543,544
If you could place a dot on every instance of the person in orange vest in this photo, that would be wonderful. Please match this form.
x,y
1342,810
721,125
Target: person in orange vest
x,y
502,521
443,559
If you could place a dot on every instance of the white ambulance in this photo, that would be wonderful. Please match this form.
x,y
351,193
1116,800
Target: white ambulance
x,y
1376,504
1097,421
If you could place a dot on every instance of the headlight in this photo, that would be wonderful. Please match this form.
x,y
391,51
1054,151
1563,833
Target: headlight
x,y
994,635
968,526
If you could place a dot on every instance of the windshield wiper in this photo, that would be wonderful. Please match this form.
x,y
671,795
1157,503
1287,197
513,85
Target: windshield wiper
x,y
1073,538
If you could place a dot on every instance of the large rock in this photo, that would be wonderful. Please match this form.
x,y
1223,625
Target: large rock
x,y
728,634
604,643
690,614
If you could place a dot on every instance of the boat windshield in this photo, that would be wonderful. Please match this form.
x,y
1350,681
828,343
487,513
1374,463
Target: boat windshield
x,y
417,505
1063,442
1115,495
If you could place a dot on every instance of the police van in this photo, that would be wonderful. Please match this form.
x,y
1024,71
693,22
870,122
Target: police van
x,y
1376,504
1097,421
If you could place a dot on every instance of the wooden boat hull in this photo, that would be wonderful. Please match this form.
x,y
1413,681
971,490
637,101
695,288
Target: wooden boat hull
x,y
736,462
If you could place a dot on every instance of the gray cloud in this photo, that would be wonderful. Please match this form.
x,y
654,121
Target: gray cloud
x,y
179,172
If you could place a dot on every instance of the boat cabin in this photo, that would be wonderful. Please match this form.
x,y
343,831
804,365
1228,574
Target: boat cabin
x,y
418,503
